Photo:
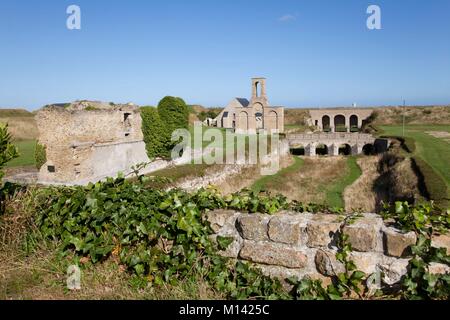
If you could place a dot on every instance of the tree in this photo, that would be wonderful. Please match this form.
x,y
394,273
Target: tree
x,y
155,135
174,113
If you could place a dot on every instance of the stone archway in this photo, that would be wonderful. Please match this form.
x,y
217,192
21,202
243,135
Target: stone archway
x,y
243,121
368,149
339,123
322,150
326,122
345,150
354,123
271,122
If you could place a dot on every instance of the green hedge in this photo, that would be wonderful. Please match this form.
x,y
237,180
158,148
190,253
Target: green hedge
x,y
432,184
155,134
174,113
40,155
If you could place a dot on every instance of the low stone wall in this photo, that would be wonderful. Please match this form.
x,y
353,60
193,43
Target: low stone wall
x,y
295,244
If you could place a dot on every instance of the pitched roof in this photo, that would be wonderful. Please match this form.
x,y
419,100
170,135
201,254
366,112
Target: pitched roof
x,y
244,102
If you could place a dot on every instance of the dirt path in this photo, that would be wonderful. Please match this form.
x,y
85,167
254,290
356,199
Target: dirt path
x,y
360,195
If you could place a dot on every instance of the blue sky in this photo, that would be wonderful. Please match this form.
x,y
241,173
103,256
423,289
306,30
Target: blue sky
x,y
313,53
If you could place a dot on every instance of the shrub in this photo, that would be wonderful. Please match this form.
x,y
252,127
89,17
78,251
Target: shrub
x,y
174,113
431,183
7,150
40,155
155,135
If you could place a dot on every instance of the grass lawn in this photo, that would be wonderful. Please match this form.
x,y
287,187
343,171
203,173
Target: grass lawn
x,y
26,151
334,193
435,151
279,177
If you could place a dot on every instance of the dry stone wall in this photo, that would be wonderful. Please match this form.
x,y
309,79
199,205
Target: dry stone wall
x,y
293,244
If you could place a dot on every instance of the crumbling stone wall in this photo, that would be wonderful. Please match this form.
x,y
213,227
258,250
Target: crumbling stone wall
x,y
292,244
87,140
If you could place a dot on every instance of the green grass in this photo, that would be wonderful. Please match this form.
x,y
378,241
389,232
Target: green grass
x,y
26,151
279,177
334,192
434,151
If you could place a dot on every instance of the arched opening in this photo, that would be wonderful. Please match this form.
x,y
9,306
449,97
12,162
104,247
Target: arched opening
x,y
354,123
326,124
368,149
298,150
258,89
321,150
243,121
339,123
272,121
345,150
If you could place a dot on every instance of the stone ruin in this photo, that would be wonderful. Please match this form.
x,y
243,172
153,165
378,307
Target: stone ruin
x,y
300,245
87,141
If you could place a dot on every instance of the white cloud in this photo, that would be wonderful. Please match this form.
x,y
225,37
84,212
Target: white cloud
x,y
286,18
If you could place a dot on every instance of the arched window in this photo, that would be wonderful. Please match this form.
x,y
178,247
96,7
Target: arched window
x,y
339,123
354,123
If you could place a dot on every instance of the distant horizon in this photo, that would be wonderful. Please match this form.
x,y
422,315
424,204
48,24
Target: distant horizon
x,y
318,53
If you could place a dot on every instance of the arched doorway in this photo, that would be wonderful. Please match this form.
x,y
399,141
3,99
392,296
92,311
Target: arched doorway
x,y
345,150
321,150
326,124
354,123
298,150
368,149
339,123
243,121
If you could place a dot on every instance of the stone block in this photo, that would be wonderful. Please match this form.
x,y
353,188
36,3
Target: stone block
x,y
393,269
273,254
438,268
327,264
284,230
441,241
396,243
221,218
321,230
366,262
364,234
253,227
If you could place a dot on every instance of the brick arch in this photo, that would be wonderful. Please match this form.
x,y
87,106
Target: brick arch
x,y
326,122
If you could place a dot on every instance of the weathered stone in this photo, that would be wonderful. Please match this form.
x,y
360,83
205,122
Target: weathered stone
x,y
364,233
366,262
232,251
273,254
253,227
393,269
321,230
396,243
327,264
284,230
219,218
441,241
438,268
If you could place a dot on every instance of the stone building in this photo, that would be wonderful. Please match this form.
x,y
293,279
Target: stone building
x,y
339,119
252,116
87,141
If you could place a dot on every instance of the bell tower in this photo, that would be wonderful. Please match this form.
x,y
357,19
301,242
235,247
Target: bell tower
x,y
259,92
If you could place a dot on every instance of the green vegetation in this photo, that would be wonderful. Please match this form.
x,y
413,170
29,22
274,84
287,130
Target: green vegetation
x,y
40,155
430,150
334,192
26,154
174,113
9,113
155,135
162,239
203,115
279,177
8,151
